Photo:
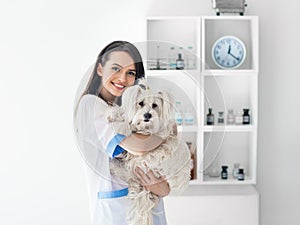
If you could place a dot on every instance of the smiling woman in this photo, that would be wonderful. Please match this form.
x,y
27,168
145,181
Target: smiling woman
x,y
117,74
117,67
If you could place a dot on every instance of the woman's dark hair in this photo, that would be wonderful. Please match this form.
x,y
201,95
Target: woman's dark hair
x,y
93,86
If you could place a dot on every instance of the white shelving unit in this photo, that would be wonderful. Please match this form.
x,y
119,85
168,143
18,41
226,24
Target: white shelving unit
x,y
204,85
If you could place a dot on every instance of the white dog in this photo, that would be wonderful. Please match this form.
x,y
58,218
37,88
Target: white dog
x,y
146,113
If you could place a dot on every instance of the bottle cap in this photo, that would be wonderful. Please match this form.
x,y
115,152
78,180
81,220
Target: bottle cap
x,y
236,165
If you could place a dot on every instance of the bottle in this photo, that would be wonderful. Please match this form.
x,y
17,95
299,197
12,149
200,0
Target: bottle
x,y
172,58
246,116
221,118
190,59
235,170
210,120
179,62
188,117
230,117
241,175
238,118
178,113
157,59
224,173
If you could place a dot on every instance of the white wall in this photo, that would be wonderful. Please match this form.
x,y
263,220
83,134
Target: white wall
x,y
45,48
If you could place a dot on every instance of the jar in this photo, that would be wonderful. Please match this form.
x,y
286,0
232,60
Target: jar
x,y
224,173
230,117
238,119
241,175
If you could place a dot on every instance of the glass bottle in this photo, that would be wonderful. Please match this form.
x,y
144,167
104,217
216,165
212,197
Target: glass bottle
x,y
221,118
178,113
224,173
190,59
210,120
238,118
241,175
230,117
172,58
179,62
246,116
188,117
235,170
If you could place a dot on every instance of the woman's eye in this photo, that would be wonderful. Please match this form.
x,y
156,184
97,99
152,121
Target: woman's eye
x,y
115,69
131,73
154,105
141,104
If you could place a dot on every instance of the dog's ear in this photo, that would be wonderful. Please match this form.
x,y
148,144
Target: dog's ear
x,y
166,105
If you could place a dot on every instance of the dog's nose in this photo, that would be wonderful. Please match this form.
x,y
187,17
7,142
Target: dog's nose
x,y
147,116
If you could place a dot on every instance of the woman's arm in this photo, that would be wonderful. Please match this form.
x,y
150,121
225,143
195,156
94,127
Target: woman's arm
x,y
138,144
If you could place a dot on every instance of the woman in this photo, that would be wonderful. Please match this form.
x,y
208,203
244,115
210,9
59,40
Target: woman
x,y
118,66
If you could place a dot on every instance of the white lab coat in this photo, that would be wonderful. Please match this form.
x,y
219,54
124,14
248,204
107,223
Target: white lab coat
x,y
98,143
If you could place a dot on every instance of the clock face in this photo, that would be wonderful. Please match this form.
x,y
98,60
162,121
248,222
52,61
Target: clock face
x,y
229,52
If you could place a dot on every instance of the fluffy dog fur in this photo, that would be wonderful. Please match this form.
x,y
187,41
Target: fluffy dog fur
x,y
148,113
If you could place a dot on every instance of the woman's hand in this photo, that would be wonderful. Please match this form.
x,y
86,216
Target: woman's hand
x,y
158,186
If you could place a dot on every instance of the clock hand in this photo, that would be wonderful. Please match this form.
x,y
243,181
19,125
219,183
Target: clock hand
x,y
229,49
237,58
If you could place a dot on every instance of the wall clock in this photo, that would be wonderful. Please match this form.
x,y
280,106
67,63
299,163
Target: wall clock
x,y
228,52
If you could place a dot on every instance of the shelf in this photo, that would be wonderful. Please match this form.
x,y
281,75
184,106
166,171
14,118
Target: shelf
x,y
206,86
217,180
244,28
229,128
214,190
187,128
227,73
163,73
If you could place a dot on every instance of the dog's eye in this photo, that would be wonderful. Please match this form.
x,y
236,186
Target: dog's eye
x,y
154,105
141,104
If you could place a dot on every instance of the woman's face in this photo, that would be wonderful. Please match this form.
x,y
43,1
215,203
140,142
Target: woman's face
x,y
117,73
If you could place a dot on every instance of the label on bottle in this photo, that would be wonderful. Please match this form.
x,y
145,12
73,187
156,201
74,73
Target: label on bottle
x,y
246,119
241,176
224,175
180,64
210,120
